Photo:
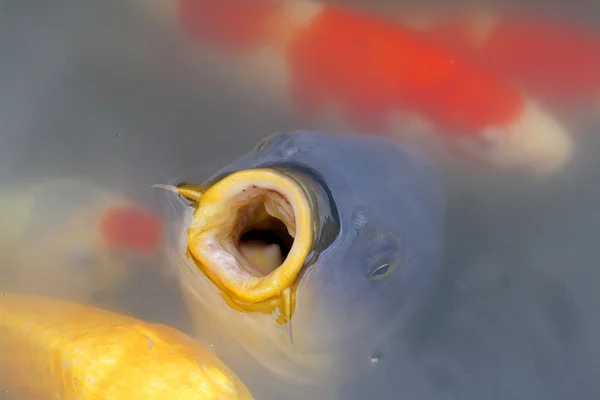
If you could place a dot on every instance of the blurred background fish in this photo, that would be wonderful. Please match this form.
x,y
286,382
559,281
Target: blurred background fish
x,y
65,350
354,71
73,239
553,57
359,227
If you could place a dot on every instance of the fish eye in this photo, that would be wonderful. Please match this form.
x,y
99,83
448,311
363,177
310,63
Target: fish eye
x,y
381,271
385,256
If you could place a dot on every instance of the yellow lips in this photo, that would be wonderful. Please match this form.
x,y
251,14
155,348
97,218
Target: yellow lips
x,y
245,200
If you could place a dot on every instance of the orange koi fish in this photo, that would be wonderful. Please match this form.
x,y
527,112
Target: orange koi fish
x,y
557,62
374,76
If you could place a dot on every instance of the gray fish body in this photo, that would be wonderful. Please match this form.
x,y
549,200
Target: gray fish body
x,y
389,204
380,243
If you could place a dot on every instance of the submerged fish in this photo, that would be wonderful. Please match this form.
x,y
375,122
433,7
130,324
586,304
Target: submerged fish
x,y
556,60
71,238
63,350
366,74
358,223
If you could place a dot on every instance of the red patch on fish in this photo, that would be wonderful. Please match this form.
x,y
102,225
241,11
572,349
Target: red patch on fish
x,y
231,24
562,60
556,61
372,68
132,227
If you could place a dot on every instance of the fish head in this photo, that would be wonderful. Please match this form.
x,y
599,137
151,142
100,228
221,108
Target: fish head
x,y
66,243
358,223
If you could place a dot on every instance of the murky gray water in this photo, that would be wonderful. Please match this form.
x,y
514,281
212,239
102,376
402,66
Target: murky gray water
x,y
90,89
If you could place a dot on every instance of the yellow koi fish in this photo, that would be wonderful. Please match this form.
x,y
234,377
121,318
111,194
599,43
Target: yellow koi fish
x,y
64,350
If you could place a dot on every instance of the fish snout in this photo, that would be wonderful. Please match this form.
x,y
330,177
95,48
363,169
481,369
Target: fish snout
x,y
251,235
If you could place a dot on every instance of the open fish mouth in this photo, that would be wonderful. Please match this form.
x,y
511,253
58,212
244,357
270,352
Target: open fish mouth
x,y
251,235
